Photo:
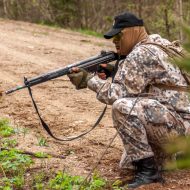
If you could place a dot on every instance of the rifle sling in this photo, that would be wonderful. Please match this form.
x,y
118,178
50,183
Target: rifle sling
x,y
45,126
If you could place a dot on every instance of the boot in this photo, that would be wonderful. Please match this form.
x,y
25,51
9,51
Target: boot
x,y
146,172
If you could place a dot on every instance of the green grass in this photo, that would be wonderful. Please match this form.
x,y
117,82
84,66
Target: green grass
x,y
42,141
13,162
64,181
42,155
11,183
50,24
5,128
8,143
14,165
89,32
82,31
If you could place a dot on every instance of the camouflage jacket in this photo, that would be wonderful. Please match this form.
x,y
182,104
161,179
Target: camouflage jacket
x,y
146,66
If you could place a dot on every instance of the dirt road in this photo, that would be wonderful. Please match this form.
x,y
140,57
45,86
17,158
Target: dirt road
x,y
29,50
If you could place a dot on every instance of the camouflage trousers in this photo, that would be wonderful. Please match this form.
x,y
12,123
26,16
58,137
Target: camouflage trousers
x,y
148,127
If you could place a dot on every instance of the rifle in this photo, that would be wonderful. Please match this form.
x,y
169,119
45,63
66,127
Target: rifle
x,y
89,64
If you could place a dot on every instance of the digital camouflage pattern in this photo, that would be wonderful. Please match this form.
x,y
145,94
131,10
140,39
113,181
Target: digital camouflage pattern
x,y
157,115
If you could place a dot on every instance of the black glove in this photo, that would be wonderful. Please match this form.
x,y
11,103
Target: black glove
x,y
108,70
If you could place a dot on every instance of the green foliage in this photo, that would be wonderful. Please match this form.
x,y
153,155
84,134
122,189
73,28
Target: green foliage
x,y
181,145
42,141
38,180
5,129
10,183
63,181
48,23
8,143
89,32
42,155
20,130
5,188
97,15
96,183
184,63
187,31
13,166
64,11
116,185
39,186
13,162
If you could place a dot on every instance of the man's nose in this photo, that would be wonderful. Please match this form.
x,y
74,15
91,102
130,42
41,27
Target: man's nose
x,y
114,41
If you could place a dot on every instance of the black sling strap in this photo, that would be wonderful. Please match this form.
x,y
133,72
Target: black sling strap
x,y
45,126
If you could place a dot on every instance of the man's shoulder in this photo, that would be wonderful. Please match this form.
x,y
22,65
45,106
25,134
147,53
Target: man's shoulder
x,y
143,50
152,45
156,38
142,55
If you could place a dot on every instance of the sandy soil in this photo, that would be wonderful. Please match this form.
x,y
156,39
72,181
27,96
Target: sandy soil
x,y
29,50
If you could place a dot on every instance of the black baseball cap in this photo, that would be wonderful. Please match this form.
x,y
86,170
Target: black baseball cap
x,y
122,21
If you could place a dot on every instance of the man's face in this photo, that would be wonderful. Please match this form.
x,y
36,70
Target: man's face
x,y
117,41
128,38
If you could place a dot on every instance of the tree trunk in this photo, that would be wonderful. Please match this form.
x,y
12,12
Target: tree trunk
x,y
180,8
5,8
167,22
140,5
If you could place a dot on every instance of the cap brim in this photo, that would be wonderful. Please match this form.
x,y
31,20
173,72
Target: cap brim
x,y
112,33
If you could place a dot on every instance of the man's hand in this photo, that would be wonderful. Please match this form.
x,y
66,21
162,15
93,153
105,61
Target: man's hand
x,y
105,70
79,77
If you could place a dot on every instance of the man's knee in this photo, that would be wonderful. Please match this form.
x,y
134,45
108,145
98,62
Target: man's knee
x,y
122,106
134,107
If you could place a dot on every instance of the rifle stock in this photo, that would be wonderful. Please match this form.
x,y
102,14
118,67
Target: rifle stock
x,y
89,64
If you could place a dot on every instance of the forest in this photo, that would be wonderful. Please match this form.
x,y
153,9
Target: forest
x,y
159,16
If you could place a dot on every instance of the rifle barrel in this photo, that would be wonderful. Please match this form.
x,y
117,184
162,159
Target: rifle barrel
x,y
90,64
15,89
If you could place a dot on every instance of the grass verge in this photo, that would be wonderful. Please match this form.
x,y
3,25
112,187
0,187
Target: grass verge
x,y
16,173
